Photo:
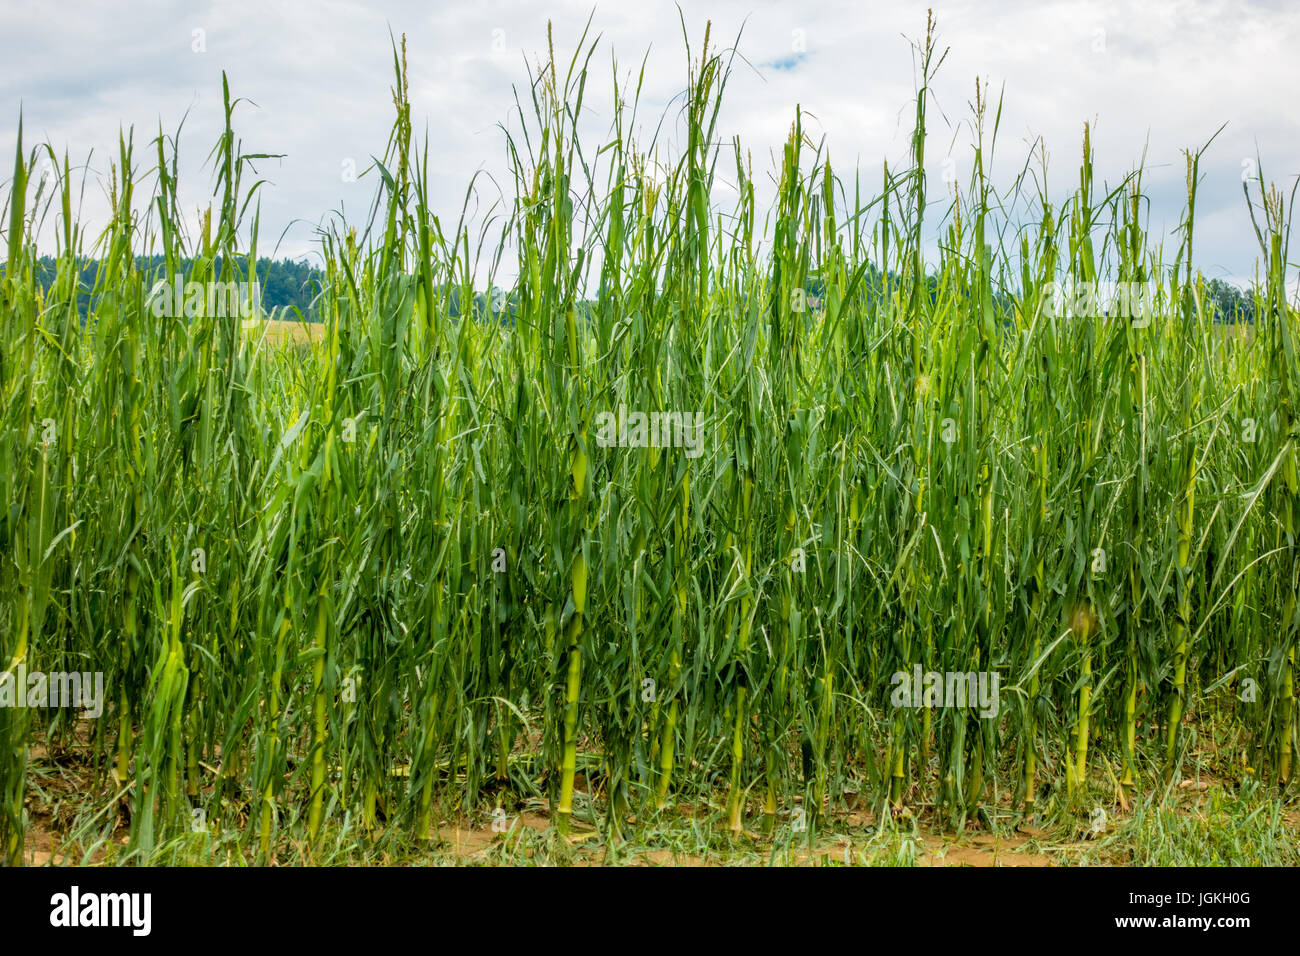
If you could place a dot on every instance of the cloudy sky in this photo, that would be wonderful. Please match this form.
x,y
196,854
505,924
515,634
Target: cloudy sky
x,y
1154,78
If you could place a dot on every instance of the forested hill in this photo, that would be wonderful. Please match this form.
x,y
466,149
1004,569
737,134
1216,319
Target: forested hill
x,y
290,284
283,282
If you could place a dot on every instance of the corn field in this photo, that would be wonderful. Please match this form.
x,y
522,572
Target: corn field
x,y
397,571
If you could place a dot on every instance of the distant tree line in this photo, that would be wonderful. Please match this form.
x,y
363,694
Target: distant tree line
x,y
283,283
1230,303
289,284
1221,299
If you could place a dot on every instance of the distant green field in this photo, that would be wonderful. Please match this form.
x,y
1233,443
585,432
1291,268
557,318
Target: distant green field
x,y
282,332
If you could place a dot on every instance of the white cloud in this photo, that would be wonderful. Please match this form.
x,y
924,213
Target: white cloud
x,y
1160,76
